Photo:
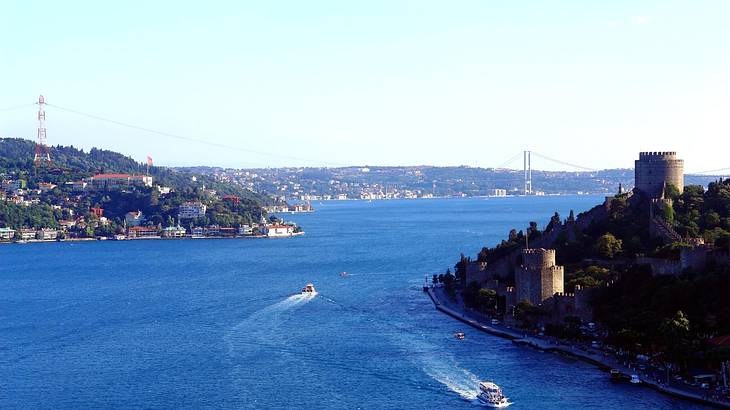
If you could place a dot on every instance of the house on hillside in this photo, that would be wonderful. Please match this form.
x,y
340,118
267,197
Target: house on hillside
x,y
191,210
134,218
118,181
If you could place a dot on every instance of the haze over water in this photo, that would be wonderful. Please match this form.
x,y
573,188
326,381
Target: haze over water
x,y
220,323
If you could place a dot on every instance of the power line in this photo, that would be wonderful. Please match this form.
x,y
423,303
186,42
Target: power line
x,y
17,107
188,139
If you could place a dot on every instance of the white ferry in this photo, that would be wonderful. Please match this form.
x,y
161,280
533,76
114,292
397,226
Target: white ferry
x,y
309,290
491,395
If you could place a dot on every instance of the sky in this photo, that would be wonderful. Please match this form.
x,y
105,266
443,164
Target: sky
x,y
333,83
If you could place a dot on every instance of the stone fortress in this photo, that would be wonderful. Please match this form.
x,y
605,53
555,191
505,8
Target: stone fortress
x,y
654,171
539,280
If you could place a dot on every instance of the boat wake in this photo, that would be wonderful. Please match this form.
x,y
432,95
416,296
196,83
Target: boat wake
x,y
261,327
440,365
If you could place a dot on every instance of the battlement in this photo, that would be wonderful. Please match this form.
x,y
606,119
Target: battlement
x,y
653,171
657,155
538,258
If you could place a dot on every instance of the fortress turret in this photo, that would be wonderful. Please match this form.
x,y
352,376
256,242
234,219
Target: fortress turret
x,y
655,170
538,278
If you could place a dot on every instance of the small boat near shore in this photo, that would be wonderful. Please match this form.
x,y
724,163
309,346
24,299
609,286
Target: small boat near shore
x,y
635,379
491,395
309,290
459,335
615,375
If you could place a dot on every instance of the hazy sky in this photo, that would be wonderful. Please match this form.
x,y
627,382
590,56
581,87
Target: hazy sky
x,y
374,82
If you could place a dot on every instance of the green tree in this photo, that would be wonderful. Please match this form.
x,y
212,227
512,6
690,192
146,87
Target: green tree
x,y
608,246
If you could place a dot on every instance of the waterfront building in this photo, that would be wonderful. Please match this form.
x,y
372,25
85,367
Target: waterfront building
x,y
6,234
279,231
134,218
173,232
537,279
497,192
119,181
142,232
245,230
47,234
191,210
654,171
27,234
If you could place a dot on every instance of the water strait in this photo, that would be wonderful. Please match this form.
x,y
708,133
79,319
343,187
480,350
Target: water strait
x,y
221,323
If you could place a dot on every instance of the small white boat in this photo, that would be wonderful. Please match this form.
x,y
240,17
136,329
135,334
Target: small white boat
x,y
344,274
491,395
309,290
459,335
635,379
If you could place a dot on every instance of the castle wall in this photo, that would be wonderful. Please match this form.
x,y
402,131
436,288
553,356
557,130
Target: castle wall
x,y
653,169
538,279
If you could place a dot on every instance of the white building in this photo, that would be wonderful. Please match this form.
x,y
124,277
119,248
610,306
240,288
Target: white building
x,y
47,234
7,234
173,232
279,231
497,192
190,210
134,218
119,181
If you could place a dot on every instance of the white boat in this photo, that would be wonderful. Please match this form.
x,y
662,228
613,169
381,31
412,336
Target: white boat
x,y
491,395
635,379
309,290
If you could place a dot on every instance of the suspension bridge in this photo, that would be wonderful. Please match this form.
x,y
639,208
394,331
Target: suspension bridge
x,y
511,163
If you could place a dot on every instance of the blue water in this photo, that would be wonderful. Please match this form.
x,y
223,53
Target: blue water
x,y
213,323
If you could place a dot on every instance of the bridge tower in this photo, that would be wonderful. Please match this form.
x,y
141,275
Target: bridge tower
x,y
528,171
41,149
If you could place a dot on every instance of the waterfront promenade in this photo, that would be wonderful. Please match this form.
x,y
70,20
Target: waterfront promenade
x,y
603,360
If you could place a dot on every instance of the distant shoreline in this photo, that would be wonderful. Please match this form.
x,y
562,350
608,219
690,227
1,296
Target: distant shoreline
x,y
146,238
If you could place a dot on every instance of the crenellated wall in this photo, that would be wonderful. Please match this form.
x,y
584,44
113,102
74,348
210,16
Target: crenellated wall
x,y
655,169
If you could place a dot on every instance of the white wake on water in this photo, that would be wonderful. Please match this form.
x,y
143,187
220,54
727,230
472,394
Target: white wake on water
x,y
440,365
261,326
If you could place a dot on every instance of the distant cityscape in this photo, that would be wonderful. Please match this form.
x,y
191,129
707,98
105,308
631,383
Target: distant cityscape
x,y
411,182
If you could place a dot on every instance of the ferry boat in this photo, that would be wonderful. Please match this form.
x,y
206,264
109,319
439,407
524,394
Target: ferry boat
x,y
309,290
459,335
491,395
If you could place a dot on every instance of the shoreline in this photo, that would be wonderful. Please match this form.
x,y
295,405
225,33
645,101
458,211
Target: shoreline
x,y
145,238
603,362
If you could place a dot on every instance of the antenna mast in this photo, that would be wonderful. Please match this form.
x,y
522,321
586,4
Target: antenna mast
x,y
41,149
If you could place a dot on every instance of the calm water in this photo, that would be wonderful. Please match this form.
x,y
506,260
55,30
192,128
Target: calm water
x,y
212,323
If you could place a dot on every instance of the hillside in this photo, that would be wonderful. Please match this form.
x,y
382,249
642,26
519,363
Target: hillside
x,y
644,264
29,206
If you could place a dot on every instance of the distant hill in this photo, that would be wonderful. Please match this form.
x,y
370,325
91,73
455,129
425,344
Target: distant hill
x,y
422,180
69,164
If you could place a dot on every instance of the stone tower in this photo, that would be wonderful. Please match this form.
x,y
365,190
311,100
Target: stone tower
x,y
538,279
655,169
